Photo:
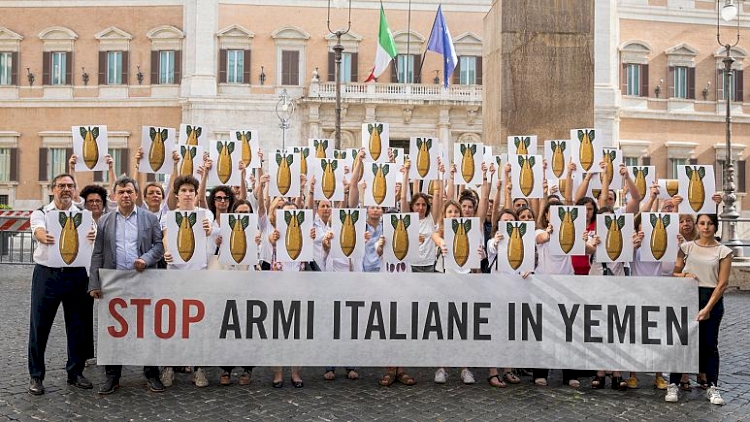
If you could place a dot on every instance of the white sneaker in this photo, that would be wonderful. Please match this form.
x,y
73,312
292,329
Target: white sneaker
x,y
713,396
467,377
440,376
167,376
201,380
672,393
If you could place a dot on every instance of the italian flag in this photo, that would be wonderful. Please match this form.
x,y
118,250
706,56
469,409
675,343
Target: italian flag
x,y
386,48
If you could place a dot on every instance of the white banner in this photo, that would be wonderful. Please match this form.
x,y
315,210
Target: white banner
x,y
175,318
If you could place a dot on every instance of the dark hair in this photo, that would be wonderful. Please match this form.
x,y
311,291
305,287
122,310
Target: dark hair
x,y
211,197
506,211
468,197
586,200
242,202
60,176
606,210
96,190
184,180
525,201
426,200
123,181
151,184
524,208
714,220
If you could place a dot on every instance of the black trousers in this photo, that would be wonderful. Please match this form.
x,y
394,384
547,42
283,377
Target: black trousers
x,y
116,370
49,288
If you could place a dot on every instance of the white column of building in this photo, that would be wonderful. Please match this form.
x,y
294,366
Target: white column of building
x,y
444,134
606,72
200,24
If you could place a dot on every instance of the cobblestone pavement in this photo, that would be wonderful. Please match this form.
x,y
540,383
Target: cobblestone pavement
x,y
342,399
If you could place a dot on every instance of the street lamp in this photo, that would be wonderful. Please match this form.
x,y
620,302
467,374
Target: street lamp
x,y
728,12
337,50
284,111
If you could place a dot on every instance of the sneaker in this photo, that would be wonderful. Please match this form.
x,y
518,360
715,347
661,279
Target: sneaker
x,y
440,376
632,383
167,376
226,379
672,393
660,383
244,378
712,393
200,379
467,377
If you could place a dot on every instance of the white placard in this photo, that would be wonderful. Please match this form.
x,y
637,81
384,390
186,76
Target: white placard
x,y
660,231
398,157
644,177
423,152
401,232
569,223
522,145
516,251
560,184
557,154
284,169
380,179
697,186
585,150
249,144
468,160
226,157
70,230
348,227
527,176
90,144
463,238
191,157
613,160
295,243
615,238
186,238
157,144
196,135
329,179
321,148
376,141
302,155
668,188
487,156
238,239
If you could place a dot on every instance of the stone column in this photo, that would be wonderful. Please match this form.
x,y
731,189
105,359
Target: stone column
x,y
200,24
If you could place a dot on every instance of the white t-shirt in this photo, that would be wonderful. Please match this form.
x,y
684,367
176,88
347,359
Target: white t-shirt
x,y
703,261
427,248
645,269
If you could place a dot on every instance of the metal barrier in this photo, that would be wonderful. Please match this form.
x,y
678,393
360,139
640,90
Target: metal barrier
x,y
17,247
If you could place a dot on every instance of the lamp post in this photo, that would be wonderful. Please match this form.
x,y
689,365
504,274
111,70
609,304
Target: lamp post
x,y
284,111
337,50
729,12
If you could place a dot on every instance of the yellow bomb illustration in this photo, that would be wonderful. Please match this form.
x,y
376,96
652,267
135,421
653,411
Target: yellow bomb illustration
x,y
185,235
423,156
567,232
293,240
328,182
696,190
320,147
69,235
90,147
379,183
304,152
558,158
673,186
157,151
237,240
187,153
461,251
609,157
659,235
467,161
224,163
640,174
613,243
526,177
244,138
375,144
348,235
339,154
586,150
193,133
515,252
522,144
284,172
400,242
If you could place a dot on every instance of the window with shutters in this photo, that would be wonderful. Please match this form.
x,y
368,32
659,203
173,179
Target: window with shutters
x,y
405,67
634,72
735,78
114,44
6,68
290,67
58,64
291,45
235,66
119,162
10,44
680,82
57,162
57,57
166,57
114,67
467,70
235,43
349,71
681,67
630,161
166,67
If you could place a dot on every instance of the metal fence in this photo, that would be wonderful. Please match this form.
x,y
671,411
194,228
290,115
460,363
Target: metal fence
x,y
16,247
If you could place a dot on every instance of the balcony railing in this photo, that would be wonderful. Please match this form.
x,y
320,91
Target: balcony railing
x,y
387,92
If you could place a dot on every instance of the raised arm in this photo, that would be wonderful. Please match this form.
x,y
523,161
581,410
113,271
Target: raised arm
x,y
172,199
634,200
484,195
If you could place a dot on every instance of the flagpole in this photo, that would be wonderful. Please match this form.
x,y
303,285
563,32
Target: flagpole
x,y
337,50
408,43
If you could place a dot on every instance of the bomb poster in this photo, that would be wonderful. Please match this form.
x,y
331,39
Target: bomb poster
x,y
195,135
660,231
468,161
516,250
186,238
557,154
463,238
284,169
668,188
398,157
191,157
352,157
348,227
644,177
612,160
615,238
90,144
697,186
295,243
226,157
238,245
302,155
569,224
487,156
585,150
423,152
380,179
321,148
527,176
376,141
558,186
401,233
157,144
249,146
329,179
70,230
522,145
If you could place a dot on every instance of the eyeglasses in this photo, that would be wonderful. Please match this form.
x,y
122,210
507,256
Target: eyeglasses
x,y
221,198
94,201
63,186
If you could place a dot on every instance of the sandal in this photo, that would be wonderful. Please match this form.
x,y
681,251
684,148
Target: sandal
x,y
298,383
598,382
499,384
329,376
702,383
352,374
388,378
685,386
511,378
405,379
619,384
